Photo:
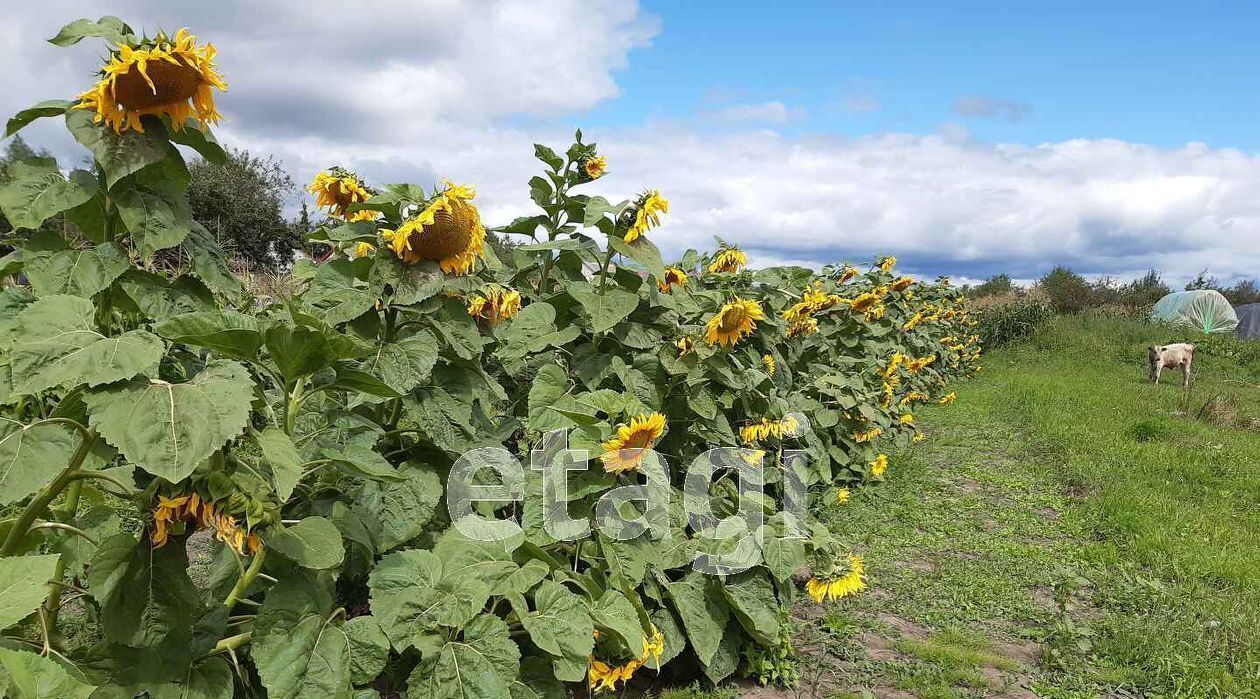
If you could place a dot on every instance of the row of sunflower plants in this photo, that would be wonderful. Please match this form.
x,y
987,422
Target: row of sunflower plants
x,y
320,449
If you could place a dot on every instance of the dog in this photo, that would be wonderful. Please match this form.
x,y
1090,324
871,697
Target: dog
x,y
1180,354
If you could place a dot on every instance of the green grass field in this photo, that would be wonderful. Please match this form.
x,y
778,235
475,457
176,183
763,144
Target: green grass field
x,y
1067,530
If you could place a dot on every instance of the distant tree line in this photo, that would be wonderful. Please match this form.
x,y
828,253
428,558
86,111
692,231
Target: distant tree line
x,y
241,202
1068,292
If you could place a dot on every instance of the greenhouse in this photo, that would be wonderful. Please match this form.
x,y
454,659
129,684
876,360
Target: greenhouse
x,y
1248,321
1204,310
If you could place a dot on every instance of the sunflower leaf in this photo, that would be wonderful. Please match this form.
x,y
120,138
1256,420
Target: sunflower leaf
x,y
77,272
119,155
47,108
36,191
109,28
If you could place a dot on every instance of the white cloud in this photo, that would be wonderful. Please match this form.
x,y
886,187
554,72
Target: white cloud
x,y
991,108
421,91
857,103
774,112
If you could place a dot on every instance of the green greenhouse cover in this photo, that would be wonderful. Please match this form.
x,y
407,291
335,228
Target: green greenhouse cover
x,y
1204,310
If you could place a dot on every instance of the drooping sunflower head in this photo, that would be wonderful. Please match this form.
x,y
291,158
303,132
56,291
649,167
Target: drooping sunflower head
x,y
841,579
685,346
594,166
336,189
673,277
847,273
644,215
888,263
362,249
736,319
728,261
864,302
902,283
448,230
843,495
803,327
767,361
164,76
626,451
948,398
495,304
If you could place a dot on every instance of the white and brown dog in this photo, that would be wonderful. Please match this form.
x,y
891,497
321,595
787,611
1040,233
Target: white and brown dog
x,y
1180,354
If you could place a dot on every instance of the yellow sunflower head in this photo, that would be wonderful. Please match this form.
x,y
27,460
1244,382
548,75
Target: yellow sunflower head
x,y
736,319
843,495
879,465
728,261
767,361
594,166
685,346
626,451
864,302
673,277
804,327
448,231
902,283
171,77
844,578
362,250
948,398
888,263
847,273
645,215
495,304
336,189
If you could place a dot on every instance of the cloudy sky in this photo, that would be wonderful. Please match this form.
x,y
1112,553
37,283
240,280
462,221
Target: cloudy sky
x,y
967,138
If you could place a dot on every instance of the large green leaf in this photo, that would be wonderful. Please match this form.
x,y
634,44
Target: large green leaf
x,y
47,108
78,272
111,29
397,511
282,458
209,679
464,558
642,251
312,543
31,456
480,666
199,138
56,344
702,609
298,351
404,364
151,602
560,622
605,309
209,262
299,646
26,675
369,648
229,333
752,598
23,585
154,221
168,429
410,596
36,191
161,299
338,293
119,155
615,613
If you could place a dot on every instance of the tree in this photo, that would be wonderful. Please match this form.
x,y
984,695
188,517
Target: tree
x,y
996,285
17,150
241,203
1068,291
1144,291
1203,281
1243,292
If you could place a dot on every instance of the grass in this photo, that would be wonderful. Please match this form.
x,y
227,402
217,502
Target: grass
x,y
1068,528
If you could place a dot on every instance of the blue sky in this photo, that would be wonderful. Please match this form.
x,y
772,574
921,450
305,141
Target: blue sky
x,y
967,138
1162,73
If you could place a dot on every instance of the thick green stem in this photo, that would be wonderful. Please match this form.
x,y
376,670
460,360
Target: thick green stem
x,y
292,405
50,492
242,585
231,643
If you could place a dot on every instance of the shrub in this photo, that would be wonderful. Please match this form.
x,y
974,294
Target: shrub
x,y
322,438
1014,320
1066,291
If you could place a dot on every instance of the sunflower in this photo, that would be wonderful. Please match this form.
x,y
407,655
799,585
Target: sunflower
x,y
842,581
916,365
767,429
864,302
673,277
495,304
911,397
879,465
847,274
653,646
948,398
626,451
806,326
595,166
736,319
448,230
362,249
914,320
767,361
685,346
728,261
888,263
645,214
868,435
893,362
906,419
159,77
336,189
902,283
842,495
